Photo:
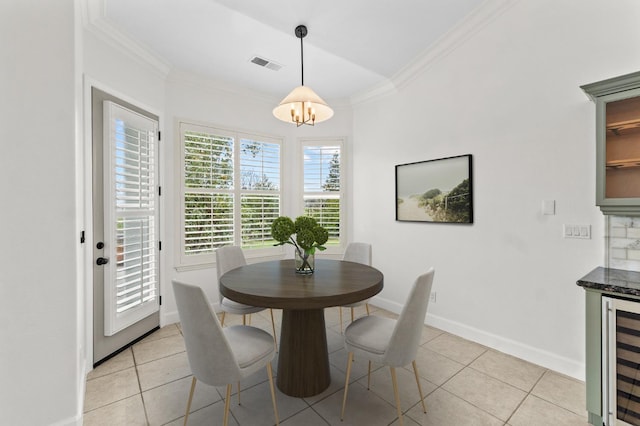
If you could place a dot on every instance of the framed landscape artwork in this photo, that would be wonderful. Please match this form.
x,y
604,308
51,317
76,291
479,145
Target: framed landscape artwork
x,y
435,191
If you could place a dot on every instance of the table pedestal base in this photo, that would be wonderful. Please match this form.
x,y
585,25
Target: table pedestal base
x,y
303,360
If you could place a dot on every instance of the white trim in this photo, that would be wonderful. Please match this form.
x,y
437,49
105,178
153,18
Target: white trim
x,y
76,420
95,21
173,317
82,387
438,50
520,350
200,82
215,86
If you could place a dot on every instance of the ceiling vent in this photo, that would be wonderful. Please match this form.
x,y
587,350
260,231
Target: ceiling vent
x,y
266,63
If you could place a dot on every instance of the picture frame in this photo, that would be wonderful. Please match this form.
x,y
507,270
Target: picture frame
x,y
438,191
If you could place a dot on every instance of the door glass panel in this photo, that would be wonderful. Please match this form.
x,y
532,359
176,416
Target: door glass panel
x,y
131,277
628,367
623,148
136,260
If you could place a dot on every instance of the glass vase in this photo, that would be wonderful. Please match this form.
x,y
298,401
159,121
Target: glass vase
x,y
305,263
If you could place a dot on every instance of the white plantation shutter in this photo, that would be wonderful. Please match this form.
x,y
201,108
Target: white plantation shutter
x,y
131,217
323,189
208,190
260,191
208,161
258,212
205,231
230,191
326,210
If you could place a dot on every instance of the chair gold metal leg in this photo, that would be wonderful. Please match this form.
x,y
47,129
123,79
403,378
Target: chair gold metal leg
x,y
396,394
244,320
238,392
415,370
352,314
225,421
340,310
366,305
193,388
273,393
369,377
273,325
346,383
222,320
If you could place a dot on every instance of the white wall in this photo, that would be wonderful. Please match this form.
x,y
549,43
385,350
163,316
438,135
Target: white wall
x,y
40,237
510,96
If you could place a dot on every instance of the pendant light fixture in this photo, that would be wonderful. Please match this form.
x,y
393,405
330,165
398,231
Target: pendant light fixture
x,y
302,105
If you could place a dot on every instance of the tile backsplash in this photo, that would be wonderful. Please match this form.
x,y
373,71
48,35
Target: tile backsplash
x,y
623,236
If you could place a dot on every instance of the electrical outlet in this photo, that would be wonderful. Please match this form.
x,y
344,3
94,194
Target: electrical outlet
x,y
432,297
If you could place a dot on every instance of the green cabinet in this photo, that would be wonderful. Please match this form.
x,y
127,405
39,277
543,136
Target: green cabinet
x,y
593,356
617,143
607,291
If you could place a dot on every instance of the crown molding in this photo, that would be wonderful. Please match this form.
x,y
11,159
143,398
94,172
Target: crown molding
x,y
447,43
378,91
201,82
94,20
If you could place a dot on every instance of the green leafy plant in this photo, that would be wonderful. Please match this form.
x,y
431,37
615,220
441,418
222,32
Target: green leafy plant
x,y
309,235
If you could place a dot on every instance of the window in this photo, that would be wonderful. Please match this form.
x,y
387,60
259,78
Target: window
x,y
230,191
323,185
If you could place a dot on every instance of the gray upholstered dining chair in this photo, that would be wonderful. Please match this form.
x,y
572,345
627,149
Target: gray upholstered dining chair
x,y
359,253
391,342
228,258
220,356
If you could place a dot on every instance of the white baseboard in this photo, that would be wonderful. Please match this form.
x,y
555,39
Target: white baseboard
x,y
71,421
172,317
167,318
520,350
78,419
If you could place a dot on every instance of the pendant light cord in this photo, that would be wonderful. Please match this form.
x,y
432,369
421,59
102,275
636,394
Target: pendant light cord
x,y
302,60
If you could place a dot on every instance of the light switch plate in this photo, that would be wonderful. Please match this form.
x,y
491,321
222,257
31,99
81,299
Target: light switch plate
x,y
576,231
549,207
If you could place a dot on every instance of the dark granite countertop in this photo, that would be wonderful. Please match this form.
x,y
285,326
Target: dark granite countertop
x,y
612,280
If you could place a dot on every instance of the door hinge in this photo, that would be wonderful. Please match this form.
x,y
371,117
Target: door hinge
x,y
159,135
160,301
159,245
82,237
159,191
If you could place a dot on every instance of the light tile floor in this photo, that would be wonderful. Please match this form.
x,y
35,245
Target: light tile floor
x,y
464,383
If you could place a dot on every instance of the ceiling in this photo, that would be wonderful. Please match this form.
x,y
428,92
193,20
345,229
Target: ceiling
x,y
352,45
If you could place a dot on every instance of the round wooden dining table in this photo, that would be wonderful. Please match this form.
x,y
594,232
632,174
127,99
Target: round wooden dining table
x,y
303,359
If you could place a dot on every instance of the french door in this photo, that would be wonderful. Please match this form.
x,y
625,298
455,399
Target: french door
x,y
126,224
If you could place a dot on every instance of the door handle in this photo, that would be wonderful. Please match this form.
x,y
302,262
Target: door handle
x,y
102,261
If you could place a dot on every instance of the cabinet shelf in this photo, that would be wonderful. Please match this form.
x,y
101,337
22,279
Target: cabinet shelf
x,y
617,127
627,162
